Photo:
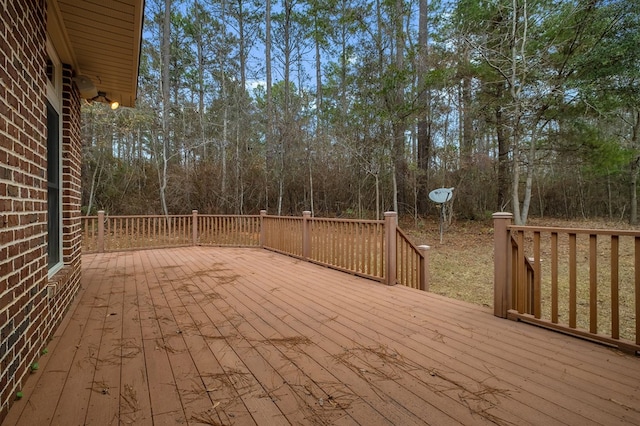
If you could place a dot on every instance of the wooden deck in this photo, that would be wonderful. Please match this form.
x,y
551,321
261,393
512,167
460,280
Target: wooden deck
x,y
222,336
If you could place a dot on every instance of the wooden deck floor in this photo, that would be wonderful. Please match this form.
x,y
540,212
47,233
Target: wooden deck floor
x,y
222,336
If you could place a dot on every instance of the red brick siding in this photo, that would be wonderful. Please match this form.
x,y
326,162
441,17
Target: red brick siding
x,y
28,317
67,281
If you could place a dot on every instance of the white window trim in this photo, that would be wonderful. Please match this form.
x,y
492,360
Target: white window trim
x,y
54,96
54,90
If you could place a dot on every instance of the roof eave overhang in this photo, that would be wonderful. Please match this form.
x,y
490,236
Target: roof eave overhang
x,y
101,41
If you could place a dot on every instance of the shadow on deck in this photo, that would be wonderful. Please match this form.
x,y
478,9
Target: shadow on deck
x,y
222,336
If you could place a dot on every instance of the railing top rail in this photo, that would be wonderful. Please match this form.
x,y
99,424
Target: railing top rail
x,y
268,216
415,248
153,216
251,216
585,231
329,219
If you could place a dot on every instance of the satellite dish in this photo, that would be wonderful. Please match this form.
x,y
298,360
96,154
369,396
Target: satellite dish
x,y
441,195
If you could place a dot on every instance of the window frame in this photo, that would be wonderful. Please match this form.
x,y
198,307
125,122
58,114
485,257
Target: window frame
x,y
54,100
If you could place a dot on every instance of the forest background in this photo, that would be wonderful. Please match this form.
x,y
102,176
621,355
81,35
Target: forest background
x,y
354,107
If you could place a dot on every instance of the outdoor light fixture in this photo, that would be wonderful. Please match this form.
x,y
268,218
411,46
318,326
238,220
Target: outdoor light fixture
x,y
103,95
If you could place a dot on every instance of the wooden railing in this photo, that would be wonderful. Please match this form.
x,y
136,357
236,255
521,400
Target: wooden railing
x,y
234,230
373,249
283,234
412,263
525,294
354,246
114,233
349,245
584,282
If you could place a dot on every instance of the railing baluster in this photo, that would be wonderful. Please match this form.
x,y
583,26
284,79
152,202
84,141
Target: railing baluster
x,y
572,280
554,277
353,246
522,275
637,288
615,305
406,264
369,255
593,283
537,302
362,247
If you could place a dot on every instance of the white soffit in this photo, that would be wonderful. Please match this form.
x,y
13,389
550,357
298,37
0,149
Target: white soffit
x,y
101,39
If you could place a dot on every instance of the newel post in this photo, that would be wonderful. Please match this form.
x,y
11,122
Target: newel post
x,y
390,255
306,234
194,226
501,281
263,232
100,244
424,268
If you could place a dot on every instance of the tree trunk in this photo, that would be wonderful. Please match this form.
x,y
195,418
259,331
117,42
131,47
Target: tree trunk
x,y
399,125
424,122
503,156
269,118
201,63
318,61
95,180
166,101
635,167
466,149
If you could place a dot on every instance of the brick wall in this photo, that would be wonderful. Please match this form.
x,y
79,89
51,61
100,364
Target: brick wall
x,y
28,316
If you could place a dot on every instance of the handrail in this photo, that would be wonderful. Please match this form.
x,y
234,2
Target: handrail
x,y
524,294
584,282
375,249
412,268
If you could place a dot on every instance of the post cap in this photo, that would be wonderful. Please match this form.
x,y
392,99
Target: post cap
x,y
502,215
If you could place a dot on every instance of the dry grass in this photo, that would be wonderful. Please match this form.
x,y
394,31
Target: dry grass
x,y
462,266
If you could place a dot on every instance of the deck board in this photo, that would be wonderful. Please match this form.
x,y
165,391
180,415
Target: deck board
x,y
74,398
374,345
222,336
134,404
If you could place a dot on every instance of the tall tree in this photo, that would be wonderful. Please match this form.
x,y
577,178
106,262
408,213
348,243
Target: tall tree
x,y
166,103
424,121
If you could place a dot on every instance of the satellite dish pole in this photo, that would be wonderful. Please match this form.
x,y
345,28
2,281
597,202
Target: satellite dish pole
x,y
440,196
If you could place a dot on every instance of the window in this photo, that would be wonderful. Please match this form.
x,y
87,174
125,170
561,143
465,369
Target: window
x,y
54,168
53,185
